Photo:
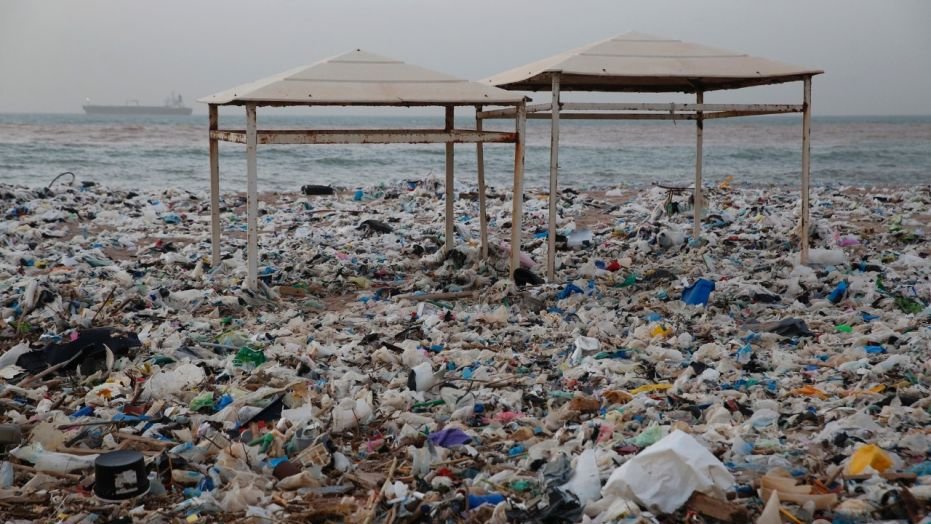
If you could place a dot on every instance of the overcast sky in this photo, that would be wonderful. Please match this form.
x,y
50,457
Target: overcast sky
x,y
55,53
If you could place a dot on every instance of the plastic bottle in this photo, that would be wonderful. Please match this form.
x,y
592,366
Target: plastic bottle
x,y
6,474
53,462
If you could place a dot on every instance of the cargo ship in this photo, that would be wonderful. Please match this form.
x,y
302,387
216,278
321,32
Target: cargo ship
x,y
174,105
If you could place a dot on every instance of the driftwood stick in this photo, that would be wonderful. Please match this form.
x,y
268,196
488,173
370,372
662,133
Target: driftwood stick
x,y
438,296
377,501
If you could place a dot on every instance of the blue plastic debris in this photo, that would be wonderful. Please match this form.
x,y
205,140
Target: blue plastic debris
x,y
839,292
698,293
568,291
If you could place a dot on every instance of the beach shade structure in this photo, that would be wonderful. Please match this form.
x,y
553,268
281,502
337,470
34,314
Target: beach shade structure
x,y
359,78
637,62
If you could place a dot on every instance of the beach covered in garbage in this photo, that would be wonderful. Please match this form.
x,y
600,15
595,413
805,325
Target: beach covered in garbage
x,y
375,378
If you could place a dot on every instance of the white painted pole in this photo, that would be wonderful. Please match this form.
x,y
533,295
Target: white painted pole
x,y
806,167
480,163
450,210
697,195
214,187
554,174
252,200
520,123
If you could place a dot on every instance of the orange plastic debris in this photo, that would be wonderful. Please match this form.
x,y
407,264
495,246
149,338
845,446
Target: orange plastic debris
x,y
869,455
810,391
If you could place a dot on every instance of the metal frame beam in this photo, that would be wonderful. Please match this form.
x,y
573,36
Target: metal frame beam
x,y
450,184
673,107
252,137
806,170
622,111
252,200
554,175
698,111
366,136
520,127
214,187
697,197
480,173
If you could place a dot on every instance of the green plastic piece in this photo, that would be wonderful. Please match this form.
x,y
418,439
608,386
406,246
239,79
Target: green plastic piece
x,y
562,394
428,404
908,305
247,356
204,400
649,436
264,442
521,486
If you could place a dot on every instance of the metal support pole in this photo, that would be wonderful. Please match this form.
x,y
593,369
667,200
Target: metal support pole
x,y
214,187
554,173
697,195
520,124
252,200
480,164
450,211
806,168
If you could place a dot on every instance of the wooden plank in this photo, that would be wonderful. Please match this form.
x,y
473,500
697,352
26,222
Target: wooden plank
x,y
214,187
520,125
806,167
450,196
252,199
554,173
480,167
367,136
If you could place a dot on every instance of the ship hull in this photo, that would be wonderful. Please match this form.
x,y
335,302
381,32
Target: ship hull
x,y
136,110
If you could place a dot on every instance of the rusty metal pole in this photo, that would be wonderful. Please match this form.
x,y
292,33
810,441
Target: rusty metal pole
x,y
806,167
480,165
554,174
214,187
252,199
697,195
520,124
450,211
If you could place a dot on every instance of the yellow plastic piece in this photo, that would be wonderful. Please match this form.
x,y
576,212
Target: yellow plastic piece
x,y
810,391
869,455
659,330
650,388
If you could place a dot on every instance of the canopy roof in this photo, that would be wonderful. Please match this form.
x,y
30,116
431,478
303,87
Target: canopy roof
x,y
361,78
645,63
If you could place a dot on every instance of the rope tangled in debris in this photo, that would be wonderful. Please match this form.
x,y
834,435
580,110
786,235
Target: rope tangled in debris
x,y
49,186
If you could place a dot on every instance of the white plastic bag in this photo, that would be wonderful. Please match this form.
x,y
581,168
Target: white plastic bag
x,y
585,482
663,476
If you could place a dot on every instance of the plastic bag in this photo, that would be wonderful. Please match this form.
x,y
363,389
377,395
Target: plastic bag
x,y
664,475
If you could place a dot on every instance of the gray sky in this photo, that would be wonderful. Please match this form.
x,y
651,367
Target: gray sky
x,y
54,53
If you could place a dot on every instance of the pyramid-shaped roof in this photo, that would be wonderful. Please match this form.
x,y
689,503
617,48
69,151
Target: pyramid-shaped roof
x,y
361,78
645,63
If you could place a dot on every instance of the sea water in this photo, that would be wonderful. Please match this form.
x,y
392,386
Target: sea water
x,y
155,152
